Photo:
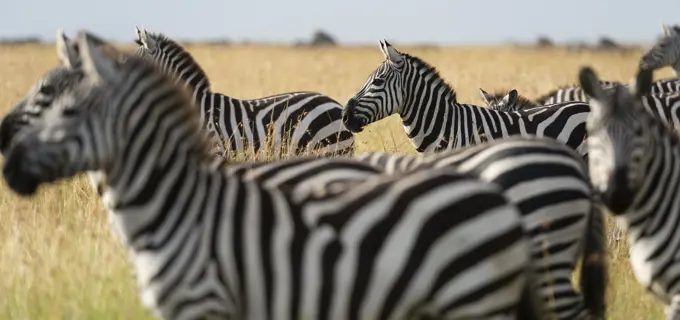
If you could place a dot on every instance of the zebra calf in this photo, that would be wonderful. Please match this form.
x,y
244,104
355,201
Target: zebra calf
x,y
665,52
301,121
506,100
635,166
549,182
205,243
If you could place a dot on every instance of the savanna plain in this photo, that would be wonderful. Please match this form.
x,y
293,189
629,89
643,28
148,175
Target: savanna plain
x,y
58,259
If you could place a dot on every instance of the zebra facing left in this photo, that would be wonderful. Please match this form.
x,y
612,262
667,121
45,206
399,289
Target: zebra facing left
x,y
295,121
433,118
207,244
635,166
665,52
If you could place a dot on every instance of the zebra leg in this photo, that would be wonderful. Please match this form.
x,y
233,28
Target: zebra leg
x,y
673,310
531,305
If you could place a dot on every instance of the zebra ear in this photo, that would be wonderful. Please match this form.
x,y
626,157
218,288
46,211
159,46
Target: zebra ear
x,y
391,54
642,84
485,97
66,51
511,97
669,30
590,83
143,39
99,58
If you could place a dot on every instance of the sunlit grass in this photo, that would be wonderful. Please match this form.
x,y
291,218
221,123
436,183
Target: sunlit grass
x,y
58,259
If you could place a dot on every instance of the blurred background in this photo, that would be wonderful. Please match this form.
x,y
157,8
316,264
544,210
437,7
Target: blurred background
x,y
576,23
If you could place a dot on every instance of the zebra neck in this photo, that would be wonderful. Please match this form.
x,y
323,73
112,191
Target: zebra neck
x,y
656,200
146,204
445,124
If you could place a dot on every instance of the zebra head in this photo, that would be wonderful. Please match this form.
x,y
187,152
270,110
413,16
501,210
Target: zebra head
x,y
41,97
620,141
666,51
500,101
92,127
172,58
382,95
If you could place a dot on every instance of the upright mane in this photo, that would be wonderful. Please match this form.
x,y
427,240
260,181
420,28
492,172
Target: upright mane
x,y
137,68
429,69
167,44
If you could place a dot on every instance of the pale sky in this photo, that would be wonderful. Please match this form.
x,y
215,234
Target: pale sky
x,y
350,21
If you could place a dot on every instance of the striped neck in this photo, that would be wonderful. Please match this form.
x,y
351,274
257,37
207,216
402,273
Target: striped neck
x,y
658,192
176,60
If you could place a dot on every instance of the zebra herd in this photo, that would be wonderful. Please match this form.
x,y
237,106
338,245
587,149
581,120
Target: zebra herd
x,y
490,226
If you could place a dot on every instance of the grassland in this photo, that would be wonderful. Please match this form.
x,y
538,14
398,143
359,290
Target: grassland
x,y
58,259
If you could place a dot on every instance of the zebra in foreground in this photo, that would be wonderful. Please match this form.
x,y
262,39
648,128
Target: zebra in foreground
x,y
635,166
431,243
296,121
435,121
666,107
549,183
665,52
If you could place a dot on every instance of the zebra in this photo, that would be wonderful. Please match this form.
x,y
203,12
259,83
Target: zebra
x,y
635,168
432,243
575,93
666,107
549,183
506,100
665,52
434,120
299,121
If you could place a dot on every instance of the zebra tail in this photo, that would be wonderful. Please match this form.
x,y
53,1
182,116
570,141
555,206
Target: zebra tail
x,y
594,264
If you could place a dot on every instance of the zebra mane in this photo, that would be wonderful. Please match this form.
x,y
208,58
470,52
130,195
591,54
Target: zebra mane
x,y
180,94
429,69
165,42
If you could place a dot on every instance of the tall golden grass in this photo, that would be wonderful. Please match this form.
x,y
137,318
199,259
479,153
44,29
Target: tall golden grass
x,y
58,259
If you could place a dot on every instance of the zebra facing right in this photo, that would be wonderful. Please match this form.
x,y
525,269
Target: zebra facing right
x,y
434,244
291,122
635,166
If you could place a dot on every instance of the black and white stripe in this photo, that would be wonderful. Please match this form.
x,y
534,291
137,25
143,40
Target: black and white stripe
x,y
297,121
665,52
549,183
635,166
433,118
575,93
666,107
204,243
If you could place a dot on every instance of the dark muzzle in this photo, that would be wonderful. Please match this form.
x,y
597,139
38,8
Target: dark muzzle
x,y
351,122
618,197
15,172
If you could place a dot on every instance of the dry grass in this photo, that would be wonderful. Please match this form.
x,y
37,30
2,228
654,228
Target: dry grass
x,y
58,259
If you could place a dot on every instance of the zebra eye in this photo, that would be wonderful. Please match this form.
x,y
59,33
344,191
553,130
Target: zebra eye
x,y
378,81
70,112
47,90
